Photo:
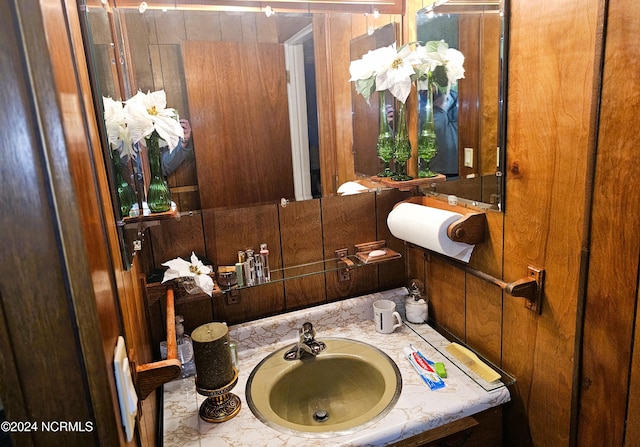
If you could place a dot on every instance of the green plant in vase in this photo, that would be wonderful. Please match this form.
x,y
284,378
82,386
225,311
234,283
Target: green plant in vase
x,y
158,193
402,145
149,118
385,146
437,68
427,145
432,64
121,153
126,195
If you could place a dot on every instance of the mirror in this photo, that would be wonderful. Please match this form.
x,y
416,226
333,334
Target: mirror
x,y
105,66
366,116
478,29
132,51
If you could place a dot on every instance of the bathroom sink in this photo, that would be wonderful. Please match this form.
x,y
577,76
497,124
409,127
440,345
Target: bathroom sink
x,y
345,388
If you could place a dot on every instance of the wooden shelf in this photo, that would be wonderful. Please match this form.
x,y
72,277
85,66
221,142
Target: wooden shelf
x,y
171,214
407,185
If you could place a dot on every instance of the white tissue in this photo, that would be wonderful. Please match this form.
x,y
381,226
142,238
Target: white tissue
x,y
349,188
179,268
427,227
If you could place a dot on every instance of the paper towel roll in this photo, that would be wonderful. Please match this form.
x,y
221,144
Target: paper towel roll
x,y
427,227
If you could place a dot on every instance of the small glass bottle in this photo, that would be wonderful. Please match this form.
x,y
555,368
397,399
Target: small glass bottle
x,y
257,262
264,253
250,268
184,347
240,273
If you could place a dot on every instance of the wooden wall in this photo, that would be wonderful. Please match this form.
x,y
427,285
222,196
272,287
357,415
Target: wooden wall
x,y
155,62
569,391
610,351
301,233
62,274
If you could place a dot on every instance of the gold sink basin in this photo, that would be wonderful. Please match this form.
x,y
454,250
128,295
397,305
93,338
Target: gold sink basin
x,y
345,388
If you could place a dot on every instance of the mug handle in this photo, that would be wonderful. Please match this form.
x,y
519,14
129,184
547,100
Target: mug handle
x,y
399,318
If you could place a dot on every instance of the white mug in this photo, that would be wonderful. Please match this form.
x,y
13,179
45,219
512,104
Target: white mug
x,y
384,314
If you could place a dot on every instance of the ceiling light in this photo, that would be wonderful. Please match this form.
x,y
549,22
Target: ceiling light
x,y
143,7
268,11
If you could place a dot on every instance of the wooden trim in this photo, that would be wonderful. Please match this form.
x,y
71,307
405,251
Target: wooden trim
x,y
438,433
383,6
326,112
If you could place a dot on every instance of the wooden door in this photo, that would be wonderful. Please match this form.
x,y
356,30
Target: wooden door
x,y
237,95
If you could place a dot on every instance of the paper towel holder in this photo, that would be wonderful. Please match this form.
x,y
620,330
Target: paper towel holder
x,y
470,228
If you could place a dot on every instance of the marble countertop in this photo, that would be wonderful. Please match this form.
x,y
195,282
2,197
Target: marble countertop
x,y
418,409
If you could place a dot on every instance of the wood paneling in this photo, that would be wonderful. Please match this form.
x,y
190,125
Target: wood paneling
x,y
483,306
608,374
550,104
240,229
489,85
446,293
246,155
346,221
174,238
390,274
301,233
68,312
326,115
340,60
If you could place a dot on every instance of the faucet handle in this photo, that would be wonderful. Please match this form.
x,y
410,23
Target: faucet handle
x,y
307,332
317,347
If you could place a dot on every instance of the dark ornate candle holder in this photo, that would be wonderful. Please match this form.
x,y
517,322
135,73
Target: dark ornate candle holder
x,y
220,405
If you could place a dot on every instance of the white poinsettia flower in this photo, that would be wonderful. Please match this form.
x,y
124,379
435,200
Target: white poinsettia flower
x,y
454,63
372,63
396,74
179,268
115,120
197,266
148,113
360,69
434,54
363,71
426,61
395,70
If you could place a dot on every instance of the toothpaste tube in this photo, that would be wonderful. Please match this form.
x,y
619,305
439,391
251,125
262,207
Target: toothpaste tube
x,y
422,366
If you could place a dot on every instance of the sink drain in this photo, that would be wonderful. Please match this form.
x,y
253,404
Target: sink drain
x,y
320,415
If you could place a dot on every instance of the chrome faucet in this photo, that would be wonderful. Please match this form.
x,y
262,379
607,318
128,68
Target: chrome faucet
x,y
307,345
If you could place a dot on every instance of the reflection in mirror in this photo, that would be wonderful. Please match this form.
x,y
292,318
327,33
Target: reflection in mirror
x,y
106,65
227,73
366,116
477,29
145,52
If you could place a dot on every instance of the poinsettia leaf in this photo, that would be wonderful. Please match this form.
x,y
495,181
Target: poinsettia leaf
x,y
366,87
433,45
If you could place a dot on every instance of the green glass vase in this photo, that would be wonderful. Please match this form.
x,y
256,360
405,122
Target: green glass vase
x,y
385,146
402,151
158,194
427,146
126,195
